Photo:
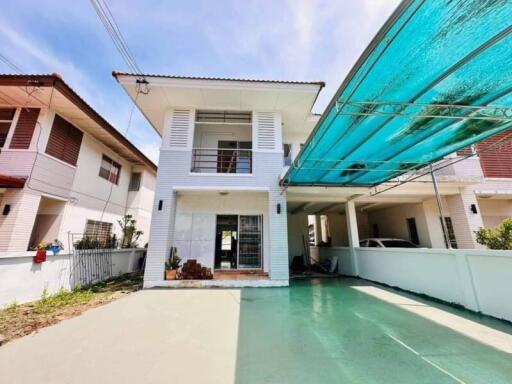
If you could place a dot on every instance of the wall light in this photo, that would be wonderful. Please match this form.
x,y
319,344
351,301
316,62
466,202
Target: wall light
x,y
473,208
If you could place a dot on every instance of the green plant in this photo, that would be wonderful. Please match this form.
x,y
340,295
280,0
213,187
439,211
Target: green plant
x,y
499,237
174,261
42,246
130,232
12,306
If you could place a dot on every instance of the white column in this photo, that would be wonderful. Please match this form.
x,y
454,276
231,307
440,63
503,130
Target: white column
x,y
353,234
278,233
464,221
16,227
160,237
318,229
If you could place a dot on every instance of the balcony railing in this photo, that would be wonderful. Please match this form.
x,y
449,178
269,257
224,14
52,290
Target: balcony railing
x,y
221,160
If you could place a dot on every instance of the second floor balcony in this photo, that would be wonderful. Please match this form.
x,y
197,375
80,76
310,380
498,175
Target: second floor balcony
x,y
230,158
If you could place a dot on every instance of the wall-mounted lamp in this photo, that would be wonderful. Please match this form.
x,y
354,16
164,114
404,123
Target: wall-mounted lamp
x,y
278,209
160,204
473,208
7,209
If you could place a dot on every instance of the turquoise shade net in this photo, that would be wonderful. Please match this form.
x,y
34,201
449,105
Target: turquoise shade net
x,y
437,78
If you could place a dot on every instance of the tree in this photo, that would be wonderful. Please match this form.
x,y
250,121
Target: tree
x,y
496,238
130,232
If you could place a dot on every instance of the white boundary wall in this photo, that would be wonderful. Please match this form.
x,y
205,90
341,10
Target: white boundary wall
x,y
478,279
22,281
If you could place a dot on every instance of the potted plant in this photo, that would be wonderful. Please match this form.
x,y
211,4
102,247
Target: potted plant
x,y
40,256
56,246
172,265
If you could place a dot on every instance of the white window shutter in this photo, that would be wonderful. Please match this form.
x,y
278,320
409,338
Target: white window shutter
x,y
181,128
268,131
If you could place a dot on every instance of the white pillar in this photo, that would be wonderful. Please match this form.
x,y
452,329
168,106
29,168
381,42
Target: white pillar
x,y
318,229
353,234
160,237
16,227
464,221
278,228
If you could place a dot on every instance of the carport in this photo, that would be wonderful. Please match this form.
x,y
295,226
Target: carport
x,y
399,113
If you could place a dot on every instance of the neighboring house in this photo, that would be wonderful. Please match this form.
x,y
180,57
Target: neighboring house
x,y
225,145
64,170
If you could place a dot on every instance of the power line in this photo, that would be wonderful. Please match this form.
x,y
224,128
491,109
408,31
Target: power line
x,y
107,19
10,64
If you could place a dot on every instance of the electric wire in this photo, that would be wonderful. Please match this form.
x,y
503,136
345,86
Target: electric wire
x,y
10,63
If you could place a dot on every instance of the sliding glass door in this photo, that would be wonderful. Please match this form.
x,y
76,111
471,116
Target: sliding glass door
x,y
239,242
250,242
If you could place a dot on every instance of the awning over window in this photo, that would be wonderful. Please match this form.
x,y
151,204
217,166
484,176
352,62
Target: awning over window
x,y
11,182
436,78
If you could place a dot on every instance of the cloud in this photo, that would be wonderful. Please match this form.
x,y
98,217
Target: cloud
x,y
290,39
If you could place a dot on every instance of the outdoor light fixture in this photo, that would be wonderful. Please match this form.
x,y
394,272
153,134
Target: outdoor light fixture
x,y
160,204
278,209
473,208
7,209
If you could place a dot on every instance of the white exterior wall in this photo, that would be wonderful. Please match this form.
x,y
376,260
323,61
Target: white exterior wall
x,y
174,175
195,222
392,222
80,186
464,221
494,211
477,279
24,281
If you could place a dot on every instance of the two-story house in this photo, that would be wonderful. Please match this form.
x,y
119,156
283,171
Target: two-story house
x,y
226,144
218,198
64,170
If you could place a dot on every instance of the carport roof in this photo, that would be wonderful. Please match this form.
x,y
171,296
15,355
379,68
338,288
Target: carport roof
x,y
436,78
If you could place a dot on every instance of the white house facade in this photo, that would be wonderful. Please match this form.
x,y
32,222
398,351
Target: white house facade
x,y
64,170
226,143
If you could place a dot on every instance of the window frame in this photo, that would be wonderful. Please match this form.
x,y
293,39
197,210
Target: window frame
x,y
10,122
110,177
131,186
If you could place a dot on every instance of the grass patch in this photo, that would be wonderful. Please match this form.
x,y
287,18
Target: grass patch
x,y
18,320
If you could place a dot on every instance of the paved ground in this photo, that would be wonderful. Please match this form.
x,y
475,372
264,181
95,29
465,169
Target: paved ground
x,y
328,331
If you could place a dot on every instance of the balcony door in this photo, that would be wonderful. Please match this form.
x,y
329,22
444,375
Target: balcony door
x,y
234,157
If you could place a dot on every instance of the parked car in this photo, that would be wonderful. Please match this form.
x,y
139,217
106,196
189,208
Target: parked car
x,y
386,243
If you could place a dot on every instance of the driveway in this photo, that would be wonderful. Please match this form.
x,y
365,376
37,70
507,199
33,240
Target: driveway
x,y
316,331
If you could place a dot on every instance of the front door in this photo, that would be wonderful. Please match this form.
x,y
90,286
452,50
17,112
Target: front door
x,y
238,242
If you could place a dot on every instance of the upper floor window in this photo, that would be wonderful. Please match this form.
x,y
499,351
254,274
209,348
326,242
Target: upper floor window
x,y
109,169
64,141
135,181
6,118
230,117
287,154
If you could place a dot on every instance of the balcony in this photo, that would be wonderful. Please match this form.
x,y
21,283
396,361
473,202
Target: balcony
x,y
222,160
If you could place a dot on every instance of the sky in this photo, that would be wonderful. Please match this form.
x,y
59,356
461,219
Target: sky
x,y
304,40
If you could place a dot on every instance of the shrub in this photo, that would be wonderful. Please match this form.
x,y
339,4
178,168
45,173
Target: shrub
x,y
496,238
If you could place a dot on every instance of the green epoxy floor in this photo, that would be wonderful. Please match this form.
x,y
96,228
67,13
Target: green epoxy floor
x,y
324,331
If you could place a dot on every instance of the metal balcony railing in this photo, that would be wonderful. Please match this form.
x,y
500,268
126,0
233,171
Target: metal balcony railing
x,y
221,160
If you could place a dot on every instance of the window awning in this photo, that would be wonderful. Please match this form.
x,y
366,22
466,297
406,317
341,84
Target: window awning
x,y
11,182
435,79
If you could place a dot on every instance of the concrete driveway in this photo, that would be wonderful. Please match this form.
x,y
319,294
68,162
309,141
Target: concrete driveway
x,y
316,331
153,336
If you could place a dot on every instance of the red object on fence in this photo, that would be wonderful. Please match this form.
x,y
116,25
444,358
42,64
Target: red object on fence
x,y
40,256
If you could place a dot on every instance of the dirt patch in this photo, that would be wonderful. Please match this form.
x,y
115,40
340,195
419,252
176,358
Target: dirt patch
x,y
23,319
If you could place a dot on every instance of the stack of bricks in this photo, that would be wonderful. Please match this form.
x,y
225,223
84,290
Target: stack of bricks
x,y
192,270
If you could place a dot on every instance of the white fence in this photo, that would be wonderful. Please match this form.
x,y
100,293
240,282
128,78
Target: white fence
x,y
478,279
21,280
